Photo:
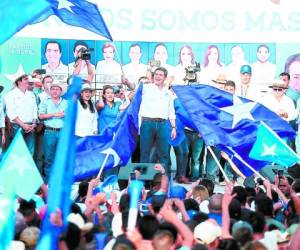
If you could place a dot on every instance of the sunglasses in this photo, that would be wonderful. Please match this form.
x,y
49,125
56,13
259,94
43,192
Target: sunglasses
x,y
275,89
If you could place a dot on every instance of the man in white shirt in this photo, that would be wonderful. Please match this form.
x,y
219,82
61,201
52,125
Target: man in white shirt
x,y
21,110
157,107
55,67
279,103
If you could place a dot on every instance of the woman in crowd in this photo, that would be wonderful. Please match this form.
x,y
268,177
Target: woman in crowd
x,y
108,108
212,66
86,123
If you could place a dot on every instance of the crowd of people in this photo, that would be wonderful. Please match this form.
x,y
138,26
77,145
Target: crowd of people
x,y
171,216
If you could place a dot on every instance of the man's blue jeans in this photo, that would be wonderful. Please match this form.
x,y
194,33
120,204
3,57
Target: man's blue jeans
x,y
50,143
155,133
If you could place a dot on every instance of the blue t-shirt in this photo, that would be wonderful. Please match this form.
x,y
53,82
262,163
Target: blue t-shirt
x,y
107,115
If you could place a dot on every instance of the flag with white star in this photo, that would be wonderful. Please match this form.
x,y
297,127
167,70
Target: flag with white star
x,y
225,119
11,18
270,147
79,13
18,169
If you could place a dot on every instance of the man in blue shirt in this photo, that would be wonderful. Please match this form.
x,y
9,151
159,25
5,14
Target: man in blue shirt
x,y
52,112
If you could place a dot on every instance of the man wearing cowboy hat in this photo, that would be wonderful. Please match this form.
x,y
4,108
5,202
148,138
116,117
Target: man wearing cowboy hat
x,y
52,112
279,103
220,81
21,109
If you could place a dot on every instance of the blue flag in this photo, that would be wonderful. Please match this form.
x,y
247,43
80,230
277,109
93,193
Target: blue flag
x,y
225,119
61,178
270,147
80,13
16,14
113,147
18,169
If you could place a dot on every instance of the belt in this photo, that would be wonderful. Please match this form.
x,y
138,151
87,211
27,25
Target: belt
x,y
52,129
153,119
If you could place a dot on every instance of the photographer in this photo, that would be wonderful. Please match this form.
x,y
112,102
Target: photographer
x,y
82,66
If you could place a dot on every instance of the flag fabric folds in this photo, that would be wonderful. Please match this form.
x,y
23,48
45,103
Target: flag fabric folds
x,y
270,147
114,146
225,119
61,178
16,14
79,13
19,170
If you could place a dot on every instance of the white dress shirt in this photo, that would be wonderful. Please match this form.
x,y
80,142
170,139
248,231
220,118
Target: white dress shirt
x,y
21,105
60,73
86,123
157,103
286,104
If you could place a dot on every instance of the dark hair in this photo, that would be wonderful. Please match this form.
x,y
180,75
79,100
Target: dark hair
x,y
166,226
264,205
90,104
263,46
241,194
72,236
243,235
191,204
291,59
296,185
285,74
235,209
55,42
257,221
147,226
80,43
83,188
209,184
161,69
230,84
105,88
124,202
45,77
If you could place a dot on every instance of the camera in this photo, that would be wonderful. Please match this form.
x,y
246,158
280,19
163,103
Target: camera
x,y
260,181
191,73
154,65
84,53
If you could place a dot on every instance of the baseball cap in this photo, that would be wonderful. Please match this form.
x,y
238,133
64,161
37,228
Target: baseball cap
x,y
239,225
206,232
246,69
79,222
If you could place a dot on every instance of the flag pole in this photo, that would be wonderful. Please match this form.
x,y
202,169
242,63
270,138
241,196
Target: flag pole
x,y
102,166
218,163
246,164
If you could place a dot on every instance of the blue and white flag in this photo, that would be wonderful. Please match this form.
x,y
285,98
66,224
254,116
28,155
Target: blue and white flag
x,y
16,14
79,13
270,147
114,146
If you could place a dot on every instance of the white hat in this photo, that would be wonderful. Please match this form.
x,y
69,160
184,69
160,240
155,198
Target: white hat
x,y
33,79
62,86
79,222
86,86
206,232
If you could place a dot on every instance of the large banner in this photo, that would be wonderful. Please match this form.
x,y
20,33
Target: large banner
x,y
220,35
188,21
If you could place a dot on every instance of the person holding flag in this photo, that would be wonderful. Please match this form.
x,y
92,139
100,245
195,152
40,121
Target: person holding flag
x,y
157,107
